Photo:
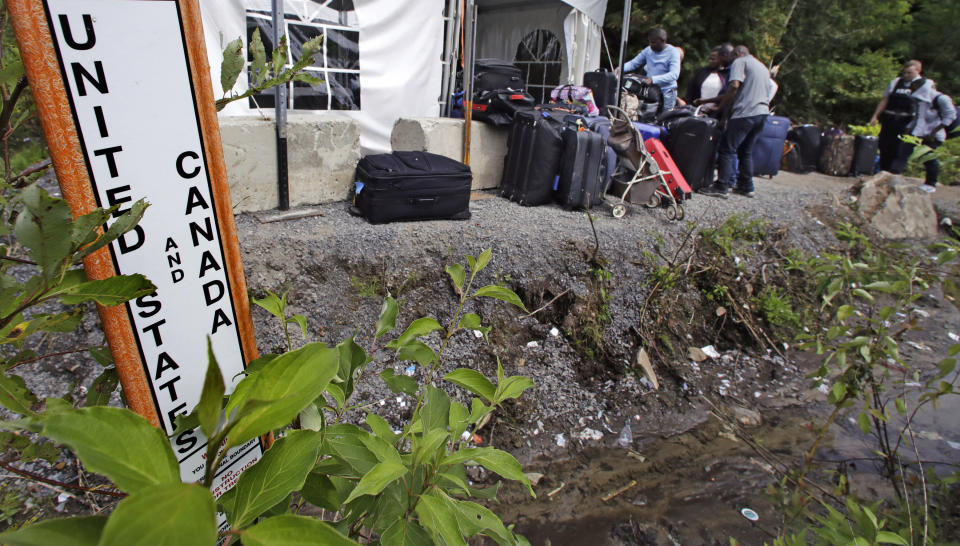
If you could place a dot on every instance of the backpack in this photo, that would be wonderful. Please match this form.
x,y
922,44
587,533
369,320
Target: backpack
x,y
902,107
951,129
650,98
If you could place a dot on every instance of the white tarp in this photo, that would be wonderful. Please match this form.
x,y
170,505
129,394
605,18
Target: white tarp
x,y
594,9
400,48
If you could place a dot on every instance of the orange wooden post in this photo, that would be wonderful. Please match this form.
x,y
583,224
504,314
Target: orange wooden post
x,y
124,96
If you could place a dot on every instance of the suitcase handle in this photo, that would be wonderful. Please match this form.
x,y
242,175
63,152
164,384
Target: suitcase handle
x,y
422,200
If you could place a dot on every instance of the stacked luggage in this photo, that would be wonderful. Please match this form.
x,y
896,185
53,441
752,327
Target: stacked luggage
x,y
499,92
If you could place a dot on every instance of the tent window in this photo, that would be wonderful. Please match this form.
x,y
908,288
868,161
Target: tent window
x,y
337,64
538,55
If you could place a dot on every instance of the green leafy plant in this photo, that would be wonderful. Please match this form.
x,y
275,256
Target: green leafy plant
x,y
407,487
264,75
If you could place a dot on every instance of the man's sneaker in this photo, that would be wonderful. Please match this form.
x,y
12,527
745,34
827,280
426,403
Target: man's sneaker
x,y
715,190
744,193
928,188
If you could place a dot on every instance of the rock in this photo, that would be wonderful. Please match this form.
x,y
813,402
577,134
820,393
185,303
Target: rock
x,y
696,354
747,417
895,208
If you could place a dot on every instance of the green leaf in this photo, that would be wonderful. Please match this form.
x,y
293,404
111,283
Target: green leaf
x,y
459,415
82,531
417,351
231,65
281,390
117,443
258,64
301,321
109,291
44,227
470,321
319,490
388,316
946,256
380,427
291,530
14,394
438,515
40,450
901,407
103,387
436,411
279,57
399,383
483,260
344,442
864,421
405,533
844,312
494,460
85,227
311,418
11,72
471,261
381,449
861,293
500,293
310,48
512,387
308,78
426,447
124,223
282,470
380,476
473,381
420,327
273,304
211,398
458,276
475,519
171,514
886,537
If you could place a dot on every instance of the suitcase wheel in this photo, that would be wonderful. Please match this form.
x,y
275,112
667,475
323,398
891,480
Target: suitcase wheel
x,y
619,210
674,212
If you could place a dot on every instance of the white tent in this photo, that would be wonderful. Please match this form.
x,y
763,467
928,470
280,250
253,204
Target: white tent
x,y
384,58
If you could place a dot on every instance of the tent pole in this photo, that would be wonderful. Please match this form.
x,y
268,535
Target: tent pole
x,y
468,51
280,108
448,58
624,34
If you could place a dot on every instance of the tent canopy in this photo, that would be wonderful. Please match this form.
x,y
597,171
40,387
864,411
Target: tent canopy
x,y
383,58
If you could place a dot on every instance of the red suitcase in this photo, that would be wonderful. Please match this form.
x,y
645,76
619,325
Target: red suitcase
x,y
678,185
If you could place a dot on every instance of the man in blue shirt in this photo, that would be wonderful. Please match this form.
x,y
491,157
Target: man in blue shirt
x,y
662,63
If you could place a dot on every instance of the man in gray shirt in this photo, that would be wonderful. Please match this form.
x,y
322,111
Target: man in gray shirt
x,y
749,92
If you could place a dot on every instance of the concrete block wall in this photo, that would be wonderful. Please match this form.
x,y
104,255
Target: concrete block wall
x,y
444,136
322,155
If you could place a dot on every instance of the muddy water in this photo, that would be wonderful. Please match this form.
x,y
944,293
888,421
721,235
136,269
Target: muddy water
x,y
688,489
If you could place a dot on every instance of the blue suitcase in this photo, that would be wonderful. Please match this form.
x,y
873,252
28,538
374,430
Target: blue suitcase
x,y
768,149
649,130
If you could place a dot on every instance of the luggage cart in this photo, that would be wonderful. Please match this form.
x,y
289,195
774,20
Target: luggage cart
x,y
643,178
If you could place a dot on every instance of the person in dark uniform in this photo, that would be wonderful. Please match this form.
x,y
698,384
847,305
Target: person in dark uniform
x,y
905,101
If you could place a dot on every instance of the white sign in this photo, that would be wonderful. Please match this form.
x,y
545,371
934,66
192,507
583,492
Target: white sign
x,y
130,89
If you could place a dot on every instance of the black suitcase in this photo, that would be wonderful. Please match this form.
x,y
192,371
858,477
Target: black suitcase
x,y
865,154
412,186
604,86
532,162
601,125
768,148
498,107
807,138
581,181
693,142
490,74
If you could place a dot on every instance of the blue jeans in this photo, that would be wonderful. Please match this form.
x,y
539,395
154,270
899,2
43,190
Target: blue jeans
x,y
736,149
669,99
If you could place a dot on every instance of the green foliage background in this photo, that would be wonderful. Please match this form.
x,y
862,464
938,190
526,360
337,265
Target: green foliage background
x,y
835,58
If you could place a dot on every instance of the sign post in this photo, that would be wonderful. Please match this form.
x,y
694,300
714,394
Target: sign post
x,y
123,91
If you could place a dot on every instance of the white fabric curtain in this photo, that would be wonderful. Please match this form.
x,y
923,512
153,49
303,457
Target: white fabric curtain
x,y
400,52
584,44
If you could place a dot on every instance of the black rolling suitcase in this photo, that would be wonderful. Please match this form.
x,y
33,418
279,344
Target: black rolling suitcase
x,y
692,142
865,154
491,74
498,107
532,162
807,138
581,181
604,86
412,186
602,125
